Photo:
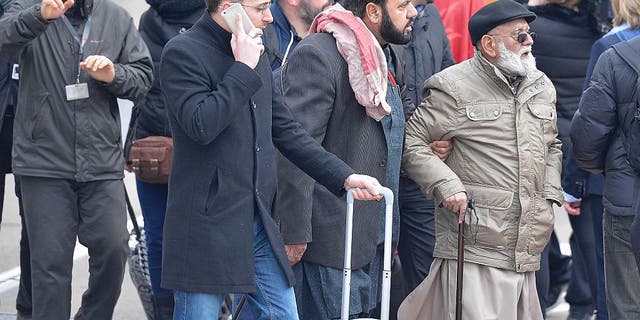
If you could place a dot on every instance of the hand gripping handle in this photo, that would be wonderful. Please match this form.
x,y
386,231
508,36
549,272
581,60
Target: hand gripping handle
x,y
386,276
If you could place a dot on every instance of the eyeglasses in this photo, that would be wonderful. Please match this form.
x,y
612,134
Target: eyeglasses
x,y
261,8
520,37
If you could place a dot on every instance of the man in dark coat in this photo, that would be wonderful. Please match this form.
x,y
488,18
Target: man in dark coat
x,y
76,59
599,136
219,236
319,91
163,20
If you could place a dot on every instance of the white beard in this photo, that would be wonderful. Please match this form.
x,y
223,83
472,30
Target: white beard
x,y
514,64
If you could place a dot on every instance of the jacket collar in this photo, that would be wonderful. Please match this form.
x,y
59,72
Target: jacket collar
x,y
219,36
280,21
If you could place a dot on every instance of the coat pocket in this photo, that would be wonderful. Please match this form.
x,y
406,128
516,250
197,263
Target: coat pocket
x,y
36,126
484,112
211,185
542,111
492,222
541,225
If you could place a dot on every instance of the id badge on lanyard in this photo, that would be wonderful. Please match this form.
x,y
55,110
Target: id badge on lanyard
x,y
78,91
15,73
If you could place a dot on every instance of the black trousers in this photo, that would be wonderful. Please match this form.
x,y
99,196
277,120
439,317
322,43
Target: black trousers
x,y
635,226
58,211
417,233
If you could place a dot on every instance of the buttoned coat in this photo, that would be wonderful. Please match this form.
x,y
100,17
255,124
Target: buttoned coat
x,y
316,87
226,124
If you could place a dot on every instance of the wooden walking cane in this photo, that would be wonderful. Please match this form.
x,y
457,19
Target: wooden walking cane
x,y
461,264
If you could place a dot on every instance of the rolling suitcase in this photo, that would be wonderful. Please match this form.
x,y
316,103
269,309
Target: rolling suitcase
x,y
386,273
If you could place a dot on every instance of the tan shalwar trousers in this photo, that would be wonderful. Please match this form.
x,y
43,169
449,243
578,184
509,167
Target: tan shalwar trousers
x,y
488,294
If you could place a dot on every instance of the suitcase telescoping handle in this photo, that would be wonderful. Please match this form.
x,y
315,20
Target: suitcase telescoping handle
x,y
386,273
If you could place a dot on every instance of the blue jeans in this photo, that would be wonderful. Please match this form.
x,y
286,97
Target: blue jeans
x,y
153,201
273,298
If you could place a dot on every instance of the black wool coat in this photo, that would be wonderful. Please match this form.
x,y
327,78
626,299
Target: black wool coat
x,y
226,124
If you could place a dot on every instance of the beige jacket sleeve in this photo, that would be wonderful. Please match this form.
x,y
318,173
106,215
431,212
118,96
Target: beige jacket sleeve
x,y
435,119
552,183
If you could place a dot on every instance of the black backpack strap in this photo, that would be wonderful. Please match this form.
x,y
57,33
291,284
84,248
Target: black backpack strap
x,y
629,53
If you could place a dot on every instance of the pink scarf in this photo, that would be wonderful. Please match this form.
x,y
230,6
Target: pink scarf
x,y
364,56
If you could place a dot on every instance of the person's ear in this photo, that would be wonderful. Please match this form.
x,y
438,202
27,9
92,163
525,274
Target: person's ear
x,y
224,5
489,47
373,12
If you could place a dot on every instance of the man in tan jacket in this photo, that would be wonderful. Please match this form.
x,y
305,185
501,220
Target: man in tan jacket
x,y
499,111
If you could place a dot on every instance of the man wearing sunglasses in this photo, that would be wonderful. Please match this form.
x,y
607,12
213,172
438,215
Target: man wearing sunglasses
x,y
499,111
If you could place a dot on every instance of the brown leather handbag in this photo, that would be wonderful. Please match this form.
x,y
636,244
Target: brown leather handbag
x,y
149,158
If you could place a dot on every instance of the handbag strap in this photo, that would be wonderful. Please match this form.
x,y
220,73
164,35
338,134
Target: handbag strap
x,y
132,214
131,131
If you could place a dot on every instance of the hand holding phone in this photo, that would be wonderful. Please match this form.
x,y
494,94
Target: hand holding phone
x,y
246,45
230,15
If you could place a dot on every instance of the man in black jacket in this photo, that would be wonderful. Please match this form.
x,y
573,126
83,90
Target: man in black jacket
x,y
599,135
226,121
76,59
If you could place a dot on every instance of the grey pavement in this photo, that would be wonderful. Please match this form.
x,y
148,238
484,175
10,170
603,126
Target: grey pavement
x,y
128,307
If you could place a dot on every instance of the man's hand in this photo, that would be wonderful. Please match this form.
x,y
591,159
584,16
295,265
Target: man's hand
x,y
295,252
442,149
572,208
458,204
54,9
366,187
99,68
247,47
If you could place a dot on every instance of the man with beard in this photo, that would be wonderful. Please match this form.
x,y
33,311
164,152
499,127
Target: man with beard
x,y
499,111
291,22
75,60
359,117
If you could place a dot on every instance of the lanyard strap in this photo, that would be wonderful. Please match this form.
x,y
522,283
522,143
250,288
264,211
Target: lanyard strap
x,y
81,42
392,79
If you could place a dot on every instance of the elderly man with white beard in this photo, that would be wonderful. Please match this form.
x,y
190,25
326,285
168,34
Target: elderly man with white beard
x,y
499,111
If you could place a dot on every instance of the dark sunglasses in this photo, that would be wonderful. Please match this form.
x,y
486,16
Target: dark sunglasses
x,y
520,37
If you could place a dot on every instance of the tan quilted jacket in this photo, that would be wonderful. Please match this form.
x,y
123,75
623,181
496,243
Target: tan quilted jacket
x,y
506,157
